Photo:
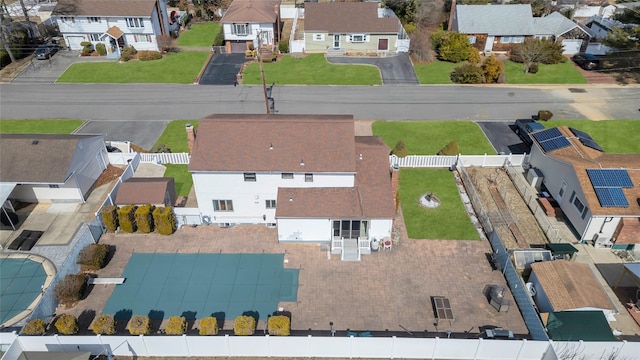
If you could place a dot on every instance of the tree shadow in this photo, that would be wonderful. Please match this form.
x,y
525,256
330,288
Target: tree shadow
x,y
84,321
155,320
220,318
122,318
191,319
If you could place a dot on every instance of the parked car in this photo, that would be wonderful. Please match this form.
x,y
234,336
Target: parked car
x,y
524,128
44,52
586,61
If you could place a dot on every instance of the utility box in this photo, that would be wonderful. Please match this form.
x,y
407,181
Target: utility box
x,y
534,178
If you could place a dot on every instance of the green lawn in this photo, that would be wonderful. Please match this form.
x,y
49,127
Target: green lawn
x,y
614,136
179,68
175,137
182,177
26,126
428,137
311,70
201,34
436,72
449,221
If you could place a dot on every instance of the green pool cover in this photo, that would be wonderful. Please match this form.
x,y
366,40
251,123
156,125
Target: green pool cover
x,y
21,282
165,285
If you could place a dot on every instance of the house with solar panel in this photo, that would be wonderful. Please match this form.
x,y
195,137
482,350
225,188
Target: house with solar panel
x,y
599,193
307,175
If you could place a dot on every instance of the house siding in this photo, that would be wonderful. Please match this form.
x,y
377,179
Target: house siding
x,y
252,32
67,192
306,230
605,226
370,45
380,228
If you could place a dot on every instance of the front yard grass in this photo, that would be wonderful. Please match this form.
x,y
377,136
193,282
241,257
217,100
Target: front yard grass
x,y
449,221
436,72
614,136
178,68
27,126
201,34
175,137
311,70
429,137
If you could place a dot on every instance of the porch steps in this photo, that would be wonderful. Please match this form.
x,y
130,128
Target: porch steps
x,y
335,52
350,250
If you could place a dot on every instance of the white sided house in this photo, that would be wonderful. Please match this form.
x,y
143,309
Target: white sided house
x,y
251,23
115,23
599,193
309,175
50,168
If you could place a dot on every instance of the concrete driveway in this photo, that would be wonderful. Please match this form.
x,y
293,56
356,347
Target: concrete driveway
x,y
395,70
48,71
222,69
503,138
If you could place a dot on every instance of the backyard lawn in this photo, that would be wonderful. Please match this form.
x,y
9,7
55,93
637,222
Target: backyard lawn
x,y
612,135
429,137
311,70
201,34
177,68
175,137
449,221
182,177
26,126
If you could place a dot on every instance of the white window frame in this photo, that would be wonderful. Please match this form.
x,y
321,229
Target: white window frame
x,y
270,204
308,177
287,175
250,177
318,37
363,38
94,37
236,27
142,38
563,190
472,39
94,19
68,19
223,205
135,23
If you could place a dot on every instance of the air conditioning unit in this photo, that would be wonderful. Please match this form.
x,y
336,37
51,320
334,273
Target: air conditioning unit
x,y
600,240
531,289
534,178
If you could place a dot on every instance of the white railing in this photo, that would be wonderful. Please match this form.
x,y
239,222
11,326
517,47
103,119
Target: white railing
x,y
121,158
441,161
165,158
132,166
364,246
296,46
336,245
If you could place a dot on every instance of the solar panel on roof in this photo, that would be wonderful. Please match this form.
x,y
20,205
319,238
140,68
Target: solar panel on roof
x,y
610,178
618,197
580,134
554,144
597,177
591,143
604,197
622,178
547,134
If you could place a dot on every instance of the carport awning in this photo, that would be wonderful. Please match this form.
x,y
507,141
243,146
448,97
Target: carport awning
x,y
562,249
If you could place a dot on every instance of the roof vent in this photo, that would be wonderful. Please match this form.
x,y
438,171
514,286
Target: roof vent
x,y
270,146
35,142
302,162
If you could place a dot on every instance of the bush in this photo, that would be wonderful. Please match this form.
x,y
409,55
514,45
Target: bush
x,y
400,150
110,217
164,220
148,55
93,256
244,325
71,288
474,57
219,39
126,218
101,48
279,325
139,325
451,45
34,327
467,74
87,47
176,325
104,325
450,149
127,53
491,69
283,46
67,324
410,28
545,115
144,219
162,148
533,68
208,326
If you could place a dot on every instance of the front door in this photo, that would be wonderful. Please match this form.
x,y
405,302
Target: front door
x,y
383,44
350,229
336,41
488,46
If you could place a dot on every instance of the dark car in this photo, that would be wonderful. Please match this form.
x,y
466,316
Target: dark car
x,y
586,61
524,128
44,52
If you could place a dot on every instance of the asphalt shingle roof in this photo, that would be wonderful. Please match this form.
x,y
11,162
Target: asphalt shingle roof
x,y
251,11
500,20
347,17
555,24
143,190
121,8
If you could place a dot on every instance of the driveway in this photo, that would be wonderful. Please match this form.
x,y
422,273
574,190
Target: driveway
x,y
222,69
395,70
503,138
48,71
141,133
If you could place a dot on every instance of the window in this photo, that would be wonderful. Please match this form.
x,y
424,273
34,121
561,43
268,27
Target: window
x,y
142,38
270,204
94,37
358,38
563,188
472,39
308,177
318,37
512,39
249,176
54,186
93,19
578,205
222,205
241,29
287,175
135,22
68,19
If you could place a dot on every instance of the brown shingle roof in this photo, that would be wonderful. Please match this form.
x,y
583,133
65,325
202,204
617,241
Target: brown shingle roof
x,y
115,32
347,17
570,285
144,190
254,11
242,143
583,158
37,158
138,8
318,203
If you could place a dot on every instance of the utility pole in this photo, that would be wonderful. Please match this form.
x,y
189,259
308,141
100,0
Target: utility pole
x,y
264,85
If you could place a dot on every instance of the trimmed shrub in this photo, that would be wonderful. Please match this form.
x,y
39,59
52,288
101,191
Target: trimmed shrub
x,y
101,48
467,74
176,325
34,327
104,325
491,69
279,325
533,68
208,326
110,217
219,39
87,47
451,45
127,53
67,324
164,220
450,149
139,325
283,46
545,115
144,218
93,256
126,218
147,55
244,325
71,288
474,57
400,150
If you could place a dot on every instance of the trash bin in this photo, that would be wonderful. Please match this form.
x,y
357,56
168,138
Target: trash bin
x,y
375,245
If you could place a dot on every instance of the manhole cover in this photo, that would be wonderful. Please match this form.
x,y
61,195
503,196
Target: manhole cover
x,y
511,94
575,90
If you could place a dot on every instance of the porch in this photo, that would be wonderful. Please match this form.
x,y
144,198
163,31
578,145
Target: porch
x,y
350,239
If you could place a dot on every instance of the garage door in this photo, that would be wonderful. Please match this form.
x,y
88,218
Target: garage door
x,y
74,42
238,47
571,46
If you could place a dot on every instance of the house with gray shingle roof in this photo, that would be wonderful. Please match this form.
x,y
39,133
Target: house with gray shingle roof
x,y
556,27
114,23
309,175
247,23
352,27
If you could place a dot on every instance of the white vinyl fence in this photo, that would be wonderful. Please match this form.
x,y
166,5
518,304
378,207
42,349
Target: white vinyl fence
x,y
165,158
440,161
132,166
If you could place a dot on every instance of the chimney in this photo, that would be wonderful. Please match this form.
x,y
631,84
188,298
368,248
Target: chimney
x,y
452,15
191,136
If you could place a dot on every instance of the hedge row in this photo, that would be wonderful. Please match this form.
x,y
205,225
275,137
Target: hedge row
x,y
145,219
93,256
